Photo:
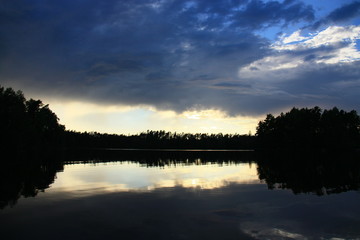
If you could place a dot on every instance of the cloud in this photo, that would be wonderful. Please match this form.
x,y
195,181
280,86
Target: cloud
x,y
333,45
174,55
259,13
340,15
318,69
345,12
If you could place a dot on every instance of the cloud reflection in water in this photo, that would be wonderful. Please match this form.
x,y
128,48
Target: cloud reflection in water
x,y
99,178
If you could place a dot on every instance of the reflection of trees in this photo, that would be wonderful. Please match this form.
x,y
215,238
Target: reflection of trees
x,y
319,173
22,179
161,158
26,177
311,172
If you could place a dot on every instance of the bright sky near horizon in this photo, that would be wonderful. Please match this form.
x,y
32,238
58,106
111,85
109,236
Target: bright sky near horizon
x,y
187,66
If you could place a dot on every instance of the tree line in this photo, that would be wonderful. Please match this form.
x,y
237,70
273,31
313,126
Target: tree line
x,y
160,139
310,128
29,126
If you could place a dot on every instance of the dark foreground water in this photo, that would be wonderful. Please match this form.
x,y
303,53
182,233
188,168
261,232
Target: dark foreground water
x,y
196,196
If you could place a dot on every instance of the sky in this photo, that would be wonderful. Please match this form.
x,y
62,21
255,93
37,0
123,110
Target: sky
x,y
127,66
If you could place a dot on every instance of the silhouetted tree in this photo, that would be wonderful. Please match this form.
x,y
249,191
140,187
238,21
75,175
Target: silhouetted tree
x,y
310,128
43,122
27,126
12,115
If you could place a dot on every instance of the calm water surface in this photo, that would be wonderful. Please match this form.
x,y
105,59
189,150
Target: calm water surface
x,y
178,200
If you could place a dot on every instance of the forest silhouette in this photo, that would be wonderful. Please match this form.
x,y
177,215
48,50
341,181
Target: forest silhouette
x,y
310,128
29,127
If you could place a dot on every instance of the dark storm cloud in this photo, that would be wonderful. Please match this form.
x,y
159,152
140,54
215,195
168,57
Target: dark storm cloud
x,y
334,85
345,12
258,13
340,15
171,54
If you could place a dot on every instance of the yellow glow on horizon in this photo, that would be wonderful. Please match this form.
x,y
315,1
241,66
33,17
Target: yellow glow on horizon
x,y
203,114
120,119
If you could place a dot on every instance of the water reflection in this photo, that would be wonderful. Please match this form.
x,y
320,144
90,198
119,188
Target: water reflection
x,y
199,197
94,178
161,158
320,173
100,171
25,179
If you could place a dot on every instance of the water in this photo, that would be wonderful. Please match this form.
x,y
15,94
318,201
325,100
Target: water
x,y
196,196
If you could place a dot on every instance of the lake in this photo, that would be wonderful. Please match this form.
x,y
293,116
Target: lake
x,y
182,195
